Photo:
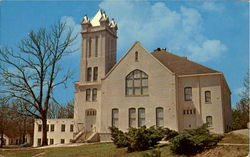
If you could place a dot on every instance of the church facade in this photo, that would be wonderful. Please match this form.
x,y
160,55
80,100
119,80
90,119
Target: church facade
x,y
143,88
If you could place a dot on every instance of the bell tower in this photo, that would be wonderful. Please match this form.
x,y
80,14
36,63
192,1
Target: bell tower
x,y
98,45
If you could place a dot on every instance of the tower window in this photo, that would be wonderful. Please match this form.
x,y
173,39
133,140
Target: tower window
x,y
207,96
63,127
96,46
90,47
89,71
94,94
88,94
95,73
188,93
136,56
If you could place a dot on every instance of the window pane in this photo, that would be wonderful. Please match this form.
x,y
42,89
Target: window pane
x,y
115,117
129,91
144,75
144,82
137,74
129,83
137,83
137,91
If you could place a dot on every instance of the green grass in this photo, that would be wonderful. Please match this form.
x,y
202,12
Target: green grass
x,y
109,150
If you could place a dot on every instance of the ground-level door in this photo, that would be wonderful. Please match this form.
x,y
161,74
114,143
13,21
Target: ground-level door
x,y
90,119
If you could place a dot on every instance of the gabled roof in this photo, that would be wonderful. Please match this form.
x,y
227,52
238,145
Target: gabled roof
x,y
180,65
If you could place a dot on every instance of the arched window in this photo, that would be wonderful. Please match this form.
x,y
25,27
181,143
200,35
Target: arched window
x,y
115,117
132,117
188,93
208,96
136,56
159,116
137,83
141,117
209,120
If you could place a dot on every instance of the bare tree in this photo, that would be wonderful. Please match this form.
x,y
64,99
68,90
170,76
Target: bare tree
x,y
31,74
4,119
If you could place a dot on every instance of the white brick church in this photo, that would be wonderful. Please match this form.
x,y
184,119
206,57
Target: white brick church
x,y
143,88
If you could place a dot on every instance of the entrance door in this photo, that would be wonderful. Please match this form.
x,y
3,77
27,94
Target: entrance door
x,y
90,119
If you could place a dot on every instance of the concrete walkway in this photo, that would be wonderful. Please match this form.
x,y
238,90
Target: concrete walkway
x,y
242,132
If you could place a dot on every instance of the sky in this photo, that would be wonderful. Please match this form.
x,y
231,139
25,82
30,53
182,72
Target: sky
x,y
211,33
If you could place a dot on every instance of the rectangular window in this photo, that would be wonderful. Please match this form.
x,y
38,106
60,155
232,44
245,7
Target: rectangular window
x,y
89,72
95,74
94,94
115,117
188,93
62,141
39,142
71,127
90,42
141,117
132,117
52,127
88,94
63,127
209,121
39,127
47,127
207,96
51,141
96,46
159,116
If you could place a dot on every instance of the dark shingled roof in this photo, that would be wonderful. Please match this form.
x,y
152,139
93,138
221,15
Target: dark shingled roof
x,y
180,65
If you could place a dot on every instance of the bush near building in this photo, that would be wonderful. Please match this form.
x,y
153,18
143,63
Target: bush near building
x,y
139,139
192,141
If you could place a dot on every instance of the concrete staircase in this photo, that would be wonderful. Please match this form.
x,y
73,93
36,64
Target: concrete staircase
x,y
86,136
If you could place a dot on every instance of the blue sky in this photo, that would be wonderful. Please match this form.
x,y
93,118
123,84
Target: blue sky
x,y
212,33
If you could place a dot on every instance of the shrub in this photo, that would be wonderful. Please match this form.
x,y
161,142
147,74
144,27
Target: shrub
x,y
169,134
192,141
137,139
118,137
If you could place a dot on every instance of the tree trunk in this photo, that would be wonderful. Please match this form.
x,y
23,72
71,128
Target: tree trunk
x,y
1,144
44,138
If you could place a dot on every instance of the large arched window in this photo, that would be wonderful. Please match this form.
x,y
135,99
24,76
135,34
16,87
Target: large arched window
x,y
137,83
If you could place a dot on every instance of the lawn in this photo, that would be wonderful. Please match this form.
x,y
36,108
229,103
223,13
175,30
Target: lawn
x,y
109,150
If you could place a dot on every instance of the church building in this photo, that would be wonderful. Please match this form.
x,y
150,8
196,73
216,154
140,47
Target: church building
x,y
143,88
155,88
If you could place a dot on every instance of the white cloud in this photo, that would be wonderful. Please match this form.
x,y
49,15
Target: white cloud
x,y
212,6
238,91
156,25
70,23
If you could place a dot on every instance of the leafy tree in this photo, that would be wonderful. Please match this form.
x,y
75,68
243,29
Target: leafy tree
x,y
31,75
241,113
